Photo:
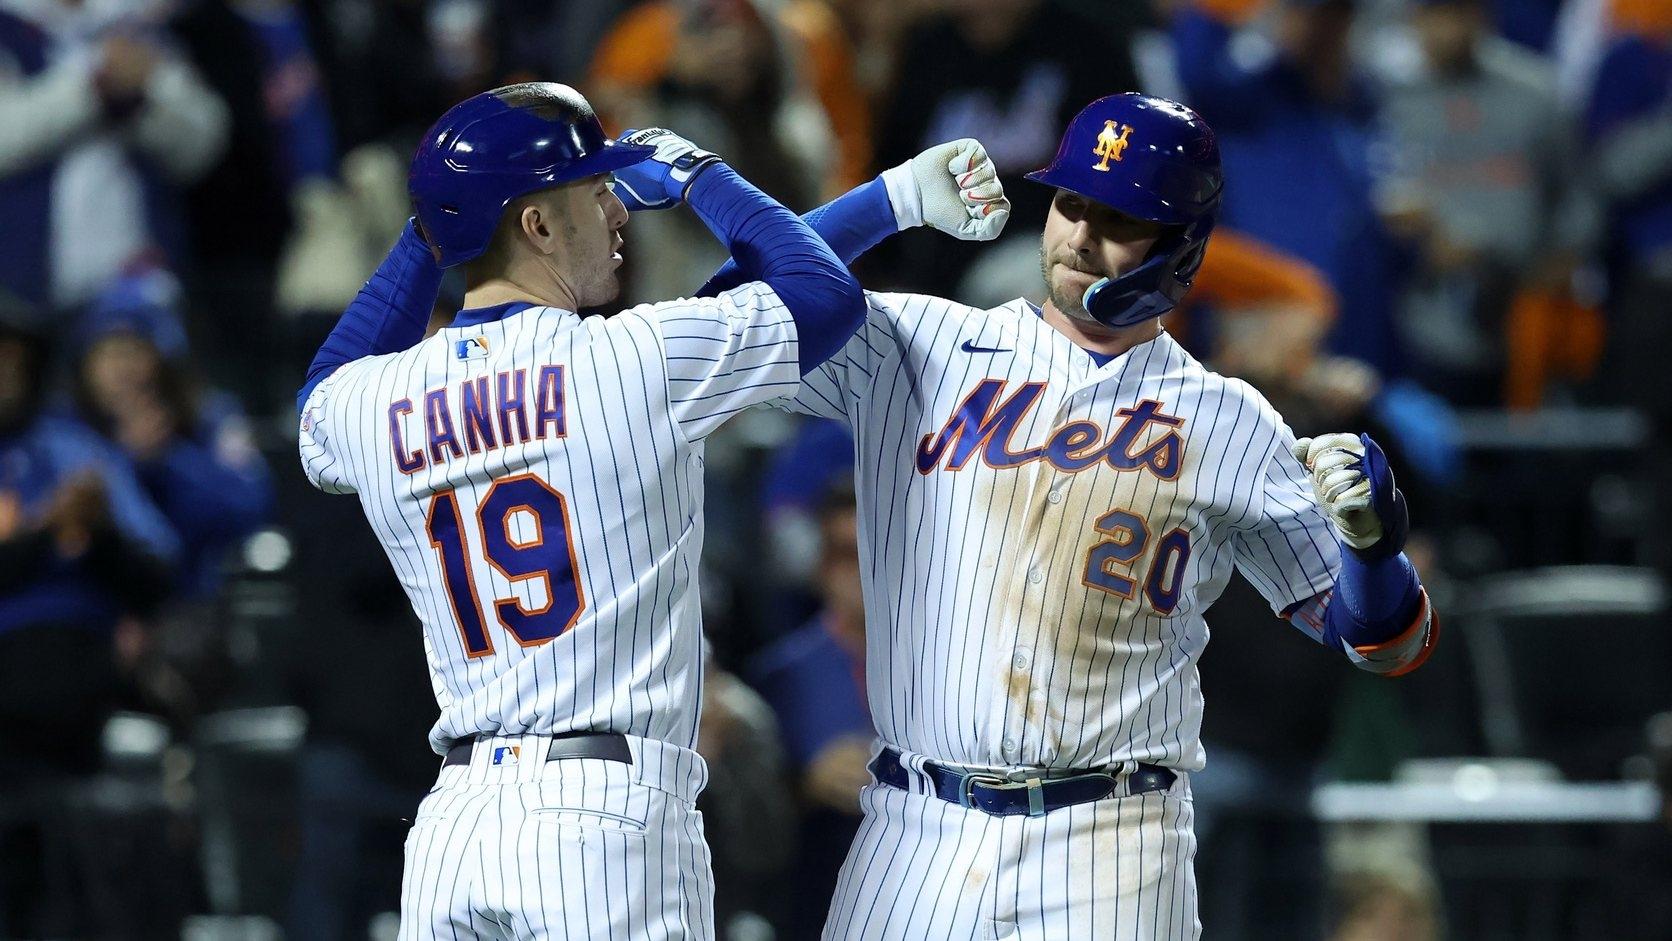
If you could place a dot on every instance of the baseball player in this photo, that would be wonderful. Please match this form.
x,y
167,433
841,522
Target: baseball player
x,y
536,480
1050,497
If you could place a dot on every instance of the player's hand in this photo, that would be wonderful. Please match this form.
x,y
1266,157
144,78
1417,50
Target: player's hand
x,y
661,180
952,187
1354,485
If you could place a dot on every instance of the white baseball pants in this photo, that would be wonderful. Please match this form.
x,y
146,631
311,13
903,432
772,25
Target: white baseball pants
x,y
512,846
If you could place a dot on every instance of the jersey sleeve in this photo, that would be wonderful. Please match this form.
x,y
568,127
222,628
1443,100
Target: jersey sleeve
x,y
320,435
1289,553
835,388
724,354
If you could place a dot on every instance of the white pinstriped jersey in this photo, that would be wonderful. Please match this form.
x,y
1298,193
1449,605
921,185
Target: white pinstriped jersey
x,y
537,484
1040,535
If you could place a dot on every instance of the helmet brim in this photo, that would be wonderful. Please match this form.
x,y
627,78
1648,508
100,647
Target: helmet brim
x,y
613,156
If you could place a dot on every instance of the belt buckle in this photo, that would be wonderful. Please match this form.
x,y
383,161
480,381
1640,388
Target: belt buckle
x,y
967,782
1004,782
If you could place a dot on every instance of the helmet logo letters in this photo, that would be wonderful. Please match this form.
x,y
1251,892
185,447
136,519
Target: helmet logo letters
x,y
1110,144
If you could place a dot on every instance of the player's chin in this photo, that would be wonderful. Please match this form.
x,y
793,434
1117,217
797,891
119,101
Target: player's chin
x,y
610,290
1068,300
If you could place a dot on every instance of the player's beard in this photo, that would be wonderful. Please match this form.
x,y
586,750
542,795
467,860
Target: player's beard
x,y
1065,301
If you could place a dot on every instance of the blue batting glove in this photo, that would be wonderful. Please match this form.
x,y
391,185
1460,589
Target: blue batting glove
x,y
662,180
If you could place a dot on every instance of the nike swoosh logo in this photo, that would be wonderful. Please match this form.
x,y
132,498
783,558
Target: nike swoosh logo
x,y
970,347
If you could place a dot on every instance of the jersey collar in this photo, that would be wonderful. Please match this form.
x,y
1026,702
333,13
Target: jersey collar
x,y
476,316
1101,359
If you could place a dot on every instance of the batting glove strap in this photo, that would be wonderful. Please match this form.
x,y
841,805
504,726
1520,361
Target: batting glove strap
x,y
662,180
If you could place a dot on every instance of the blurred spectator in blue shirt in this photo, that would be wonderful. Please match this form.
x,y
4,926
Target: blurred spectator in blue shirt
x,y
814,679
816,457
103,120
1299,137
82,550
192,449
1530,23
1628,126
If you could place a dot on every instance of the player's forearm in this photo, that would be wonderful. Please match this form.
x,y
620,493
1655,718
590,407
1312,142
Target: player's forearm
x,y
389,314
777,247
851,224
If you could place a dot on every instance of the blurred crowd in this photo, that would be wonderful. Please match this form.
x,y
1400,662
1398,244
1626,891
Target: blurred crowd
x,y
1446,222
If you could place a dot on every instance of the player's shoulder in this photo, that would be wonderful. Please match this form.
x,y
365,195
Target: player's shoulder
x,y
1232,393
752,296
906,303
910,316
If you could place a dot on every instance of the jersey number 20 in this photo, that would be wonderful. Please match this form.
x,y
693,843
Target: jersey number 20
x,y
1128,536
539,550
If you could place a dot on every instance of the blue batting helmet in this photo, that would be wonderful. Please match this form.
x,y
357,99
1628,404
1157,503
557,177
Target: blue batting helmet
x,y
1153,159
502,144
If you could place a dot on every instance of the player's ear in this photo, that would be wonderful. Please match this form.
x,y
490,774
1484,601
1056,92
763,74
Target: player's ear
x,y
536,225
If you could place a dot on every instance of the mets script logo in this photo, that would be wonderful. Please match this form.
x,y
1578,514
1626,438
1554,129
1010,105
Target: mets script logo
x,y
1110,144
984,424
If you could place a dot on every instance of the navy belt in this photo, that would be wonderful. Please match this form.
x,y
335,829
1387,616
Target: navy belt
x,y
608,746
1027,791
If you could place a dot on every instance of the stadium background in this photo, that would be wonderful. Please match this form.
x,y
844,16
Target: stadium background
x,y
1446,223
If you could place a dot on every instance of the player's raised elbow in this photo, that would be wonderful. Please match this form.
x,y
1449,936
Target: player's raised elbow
x,y
829,308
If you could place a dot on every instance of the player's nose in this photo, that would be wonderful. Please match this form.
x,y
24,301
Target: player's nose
x,y
1080,240
615,211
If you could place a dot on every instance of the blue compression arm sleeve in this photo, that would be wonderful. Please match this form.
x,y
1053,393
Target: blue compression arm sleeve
x,y
1373,602
778,248
389,314
851,224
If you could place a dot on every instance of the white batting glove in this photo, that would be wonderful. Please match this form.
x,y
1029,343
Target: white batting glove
x,y
664,178
953,187
1333,463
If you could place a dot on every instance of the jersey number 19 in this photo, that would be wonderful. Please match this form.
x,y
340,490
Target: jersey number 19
x,y
522,525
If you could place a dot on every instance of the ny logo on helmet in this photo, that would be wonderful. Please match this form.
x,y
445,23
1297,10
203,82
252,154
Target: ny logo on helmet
x,y
1110,145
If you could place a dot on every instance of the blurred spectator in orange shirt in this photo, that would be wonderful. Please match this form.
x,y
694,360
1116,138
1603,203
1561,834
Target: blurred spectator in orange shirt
x,y
1272,309
719,72
710,49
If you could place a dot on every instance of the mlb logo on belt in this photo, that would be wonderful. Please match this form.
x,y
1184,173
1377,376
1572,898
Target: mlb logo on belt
x,y
471,348
506,754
